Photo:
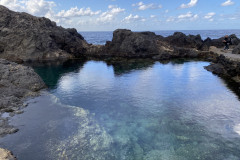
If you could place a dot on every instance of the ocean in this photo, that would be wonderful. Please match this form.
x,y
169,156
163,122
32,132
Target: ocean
x,y
101,37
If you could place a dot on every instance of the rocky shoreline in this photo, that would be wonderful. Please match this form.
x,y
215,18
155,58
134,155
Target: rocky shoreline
x,y
24,38
17,82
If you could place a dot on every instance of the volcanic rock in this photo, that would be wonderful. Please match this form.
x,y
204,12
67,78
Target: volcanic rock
x,y
25,37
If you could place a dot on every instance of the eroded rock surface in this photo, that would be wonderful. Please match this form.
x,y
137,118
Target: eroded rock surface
x,y
25,37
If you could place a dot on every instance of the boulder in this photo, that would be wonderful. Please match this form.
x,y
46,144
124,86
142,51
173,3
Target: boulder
x,y
25,37
236,50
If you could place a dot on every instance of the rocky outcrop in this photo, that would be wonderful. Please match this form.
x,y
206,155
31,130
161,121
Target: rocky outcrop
x,y
226,67
126,43
17,82
6,155
25,37
179,39
236,50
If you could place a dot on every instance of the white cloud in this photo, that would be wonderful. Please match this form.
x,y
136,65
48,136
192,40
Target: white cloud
x,y
132,18
209,15
75,12
170,19
227,3
188,16
152,16
108,16
112,6
35,7
192,3
142,6
13,4
39,7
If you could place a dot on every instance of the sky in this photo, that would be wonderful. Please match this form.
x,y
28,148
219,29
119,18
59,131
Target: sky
x,y
143,15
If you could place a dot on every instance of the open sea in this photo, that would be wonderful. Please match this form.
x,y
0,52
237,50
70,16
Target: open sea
x,y
102,37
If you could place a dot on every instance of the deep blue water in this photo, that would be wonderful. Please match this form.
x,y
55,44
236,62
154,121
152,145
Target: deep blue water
x,y
102,37
129,110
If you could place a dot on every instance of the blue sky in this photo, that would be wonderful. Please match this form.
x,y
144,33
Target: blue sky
x,y
139,15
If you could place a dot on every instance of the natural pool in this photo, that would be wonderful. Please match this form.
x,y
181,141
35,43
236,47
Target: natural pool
x,y
129,109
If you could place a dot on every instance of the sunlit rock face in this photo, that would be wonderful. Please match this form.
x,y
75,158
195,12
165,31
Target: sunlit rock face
x,y
6,155
26,37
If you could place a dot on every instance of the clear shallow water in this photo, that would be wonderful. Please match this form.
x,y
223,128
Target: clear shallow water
x,y
129,109
102,37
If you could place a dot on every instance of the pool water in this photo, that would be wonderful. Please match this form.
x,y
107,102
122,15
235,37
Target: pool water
x,y
129,110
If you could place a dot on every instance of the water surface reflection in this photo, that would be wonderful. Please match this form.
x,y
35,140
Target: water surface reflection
x,y
131,109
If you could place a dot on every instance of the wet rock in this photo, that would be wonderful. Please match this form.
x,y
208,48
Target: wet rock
x,y
216,69
25,37
6,155
225,67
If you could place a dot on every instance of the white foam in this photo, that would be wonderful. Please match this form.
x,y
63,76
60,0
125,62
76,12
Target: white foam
x,y
237,128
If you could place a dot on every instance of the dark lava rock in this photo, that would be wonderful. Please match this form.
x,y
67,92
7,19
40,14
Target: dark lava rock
x,y
26,37
17,82
236,50
225,67
179,39
206,44
134,44
216,68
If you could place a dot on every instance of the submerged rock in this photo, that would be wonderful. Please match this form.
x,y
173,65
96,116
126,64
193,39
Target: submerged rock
x,y
6,155
25,37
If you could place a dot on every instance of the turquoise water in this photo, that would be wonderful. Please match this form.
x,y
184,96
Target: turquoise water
x,y
129,110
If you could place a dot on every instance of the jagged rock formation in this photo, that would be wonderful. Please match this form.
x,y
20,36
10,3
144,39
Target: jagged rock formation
x,y
126,43
6,155
17,82
179,39
26,37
